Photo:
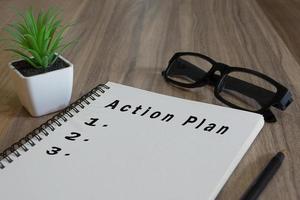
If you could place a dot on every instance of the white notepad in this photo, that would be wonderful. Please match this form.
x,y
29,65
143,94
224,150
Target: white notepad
x,y
123,143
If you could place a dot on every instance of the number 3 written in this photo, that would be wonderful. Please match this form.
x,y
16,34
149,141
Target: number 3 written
x,y
53,151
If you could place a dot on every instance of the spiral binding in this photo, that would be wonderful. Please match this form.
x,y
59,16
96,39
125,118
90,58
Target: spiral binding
x,y
43,130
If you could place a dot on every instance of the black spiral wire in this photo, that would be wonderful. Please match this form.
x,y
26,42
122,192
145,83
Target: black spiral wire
x,y
44,129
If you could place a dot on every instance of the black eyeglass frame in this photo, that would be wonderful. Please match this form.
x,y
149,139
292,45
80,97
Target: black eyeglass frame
x,y
281,99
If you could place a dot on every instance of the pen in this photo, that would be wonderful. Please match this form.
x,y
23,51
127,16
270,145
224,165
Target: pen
x,y
264,178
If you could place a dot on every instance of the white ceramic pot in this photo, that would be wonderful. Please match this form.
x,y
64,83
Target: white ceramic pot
x,y
44,93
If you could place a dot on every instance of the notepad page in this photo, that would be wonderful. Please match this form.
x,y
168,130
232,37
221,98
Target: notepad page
x,y
114,149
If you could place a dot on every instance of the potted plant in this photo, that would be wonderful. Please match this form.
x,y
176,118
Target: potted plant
x,y
42,78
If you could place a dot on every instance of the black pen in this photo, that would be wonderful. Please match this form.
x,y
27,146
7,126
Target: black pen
x,y
264,178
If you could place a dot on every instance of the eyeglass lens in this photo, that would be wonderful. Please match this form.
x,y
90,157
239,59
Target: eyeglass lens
x,y
237,90
188,69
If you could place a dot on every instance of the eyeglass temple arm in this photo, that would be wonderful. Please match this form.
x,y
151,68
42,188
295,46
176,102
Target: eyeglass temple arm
x,y
261,95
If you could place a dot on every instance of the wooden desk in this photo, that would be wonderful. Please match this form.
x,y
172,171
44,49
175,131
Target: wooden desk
x,y
131,41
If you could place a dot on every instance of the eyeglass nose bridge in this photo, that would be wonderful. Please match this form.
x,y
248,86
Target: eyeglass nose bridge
x,y
217,72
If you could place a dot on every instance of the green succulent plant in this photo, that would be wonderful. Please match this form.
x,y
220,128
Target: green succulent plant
x,y
38,40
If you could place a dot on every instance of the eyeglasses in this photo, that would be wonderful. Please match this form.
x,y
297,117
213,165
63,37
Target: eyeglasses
x,y
237,87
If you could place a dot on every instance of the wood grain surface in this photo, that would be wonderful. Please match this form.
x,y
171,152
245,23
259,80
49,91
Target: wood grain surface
x,y
285,17
131,41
